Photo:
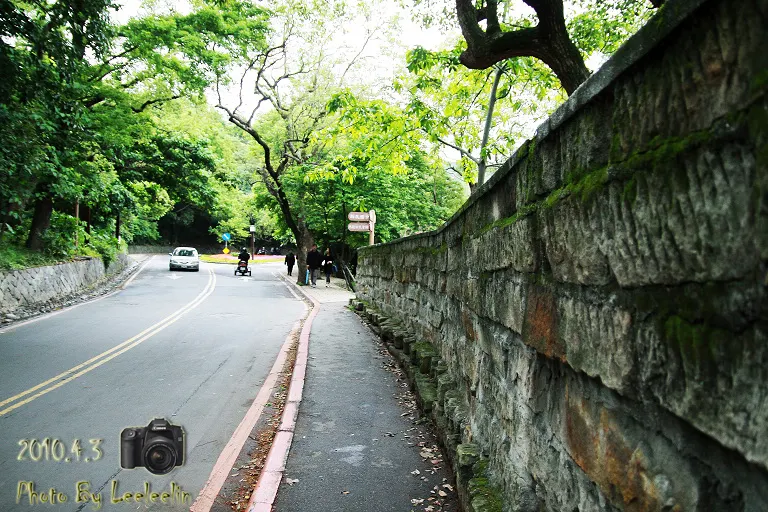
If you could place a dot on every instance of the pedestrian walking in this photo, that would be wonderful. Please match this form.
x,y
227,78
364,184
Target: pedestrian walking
x,y
314,262
290,260
327,267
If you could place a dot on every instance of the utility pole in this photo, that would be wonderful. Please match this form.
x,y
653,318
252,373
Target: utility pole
x,y
253,235
77,223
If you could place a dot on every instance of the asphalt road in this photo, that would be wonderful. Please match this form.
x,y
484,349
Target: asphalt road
x,y
191,347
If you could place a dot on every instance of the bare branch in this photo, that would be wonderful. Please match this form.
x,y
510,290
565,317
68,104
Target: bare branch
x,y
357,56
457,148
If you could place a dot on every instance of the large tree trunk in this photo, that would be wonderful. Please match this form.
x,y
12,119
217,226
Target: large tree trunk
x,y
548,41
41,221
561,54
304,241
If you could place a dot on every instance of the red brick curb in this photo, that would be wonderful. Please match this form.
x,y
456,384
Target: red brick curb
x,y
265,492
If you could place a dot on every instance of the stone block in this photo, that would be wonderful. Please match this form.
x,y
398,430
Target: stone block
x,y
467,454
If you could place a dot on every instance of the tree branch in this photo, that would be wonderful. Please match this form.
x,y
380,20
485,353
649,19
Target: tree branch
x,y
548,41
154,101
457,148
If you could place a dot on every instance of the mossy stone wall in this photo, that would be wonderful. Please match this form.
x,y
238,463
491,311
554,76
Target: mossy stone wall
x,y
602,301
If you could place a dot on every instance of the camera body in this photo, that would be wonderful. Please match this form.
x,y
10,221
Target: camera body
x,y
159,447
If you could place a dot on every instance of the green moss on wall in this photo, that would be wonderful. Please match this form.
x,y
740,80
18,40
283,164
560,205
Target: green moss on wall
x,y
699,342
484,496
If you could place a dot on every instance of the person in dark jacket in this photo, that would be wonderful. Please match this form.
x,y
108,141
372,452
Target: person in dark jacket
x,y
327,267
244,255
314,262
290,260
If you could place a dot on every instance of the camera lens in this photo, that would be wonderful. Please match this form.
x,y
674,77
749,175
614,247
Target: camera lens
x,y
160,456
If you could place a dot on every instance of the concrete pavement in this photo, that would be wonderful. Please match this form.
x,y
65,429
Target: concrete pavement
x,y
358,444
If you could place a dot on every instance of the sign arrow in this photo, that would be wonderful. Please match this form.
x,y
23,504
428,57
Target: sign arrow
x,y
174,276
244,278
359,226
359,216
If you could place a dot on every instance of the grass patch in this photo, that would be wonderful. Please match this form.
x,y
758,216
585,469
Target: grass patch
x,y
17,258
13,257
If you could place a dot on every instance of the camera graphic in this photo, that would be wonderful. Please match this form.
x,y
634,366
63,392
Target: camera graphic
x,y
159,447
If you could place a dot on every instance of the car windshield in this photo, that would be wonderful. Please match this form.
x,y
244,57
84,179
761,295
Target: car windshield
x,y
185,252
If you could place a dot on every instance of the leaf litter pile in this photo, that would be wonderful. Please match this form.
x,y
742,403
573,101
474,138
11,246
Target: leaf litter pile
x,y
250,471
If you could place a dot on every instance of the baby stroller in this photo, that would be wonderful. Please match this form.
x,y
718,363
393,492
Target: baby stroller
x,y
242,268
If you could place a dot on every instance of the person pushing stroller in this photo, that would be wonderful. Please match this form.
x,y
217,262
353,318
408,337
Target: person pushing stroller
x,y
243,256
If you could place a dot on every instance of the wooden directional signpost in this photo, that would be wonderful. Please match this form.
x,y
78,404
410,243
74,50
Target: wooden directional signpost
x,y
363,221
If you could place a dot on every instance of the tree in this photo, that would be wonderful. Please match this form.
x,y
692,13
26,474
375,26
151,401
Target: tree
x,y
548,40
44,50
457,107
68,65
481,114
418,200
292,77
284,140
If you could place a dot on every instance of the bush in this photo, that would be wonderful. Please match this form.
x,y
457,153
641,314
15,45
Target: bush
x,y
59,238
106,245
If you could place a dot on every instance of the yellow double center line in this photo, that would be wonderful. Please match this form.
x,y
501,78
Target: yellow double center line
x,y
96,361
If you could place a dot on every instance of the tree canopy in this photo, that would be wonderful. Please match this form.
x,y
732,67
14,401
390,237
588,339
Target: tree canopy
x,y
179,125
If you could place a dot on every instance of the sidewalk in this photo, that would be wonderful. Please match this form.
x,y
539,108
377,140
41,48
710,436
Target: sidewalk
x,y
357,444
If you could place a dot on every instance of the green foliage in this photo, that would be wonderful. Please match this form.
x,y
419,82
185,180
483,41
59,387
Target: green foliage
x,y
368,136
599,26
106,245
187,52
60,237
77,110
418,200
451,102
13,257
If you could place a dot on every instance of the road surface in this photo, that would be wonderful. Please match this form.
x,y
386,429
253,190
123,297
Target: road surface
x,y
191,347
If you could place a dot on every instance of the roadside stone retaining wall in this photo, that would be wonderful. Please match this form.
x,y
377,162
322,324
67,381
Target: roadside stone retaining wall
x,y
165,249
149,249
597,312
38,285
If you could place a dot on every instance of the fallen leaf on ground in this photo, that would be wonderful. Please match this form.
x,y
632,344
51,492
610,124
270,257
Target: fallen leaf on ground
x,y
291,481
415,472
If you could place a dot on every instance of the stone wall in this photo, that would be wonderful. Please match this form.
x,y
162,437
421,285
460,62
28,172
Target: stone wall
x,y
39,285
599,307
165,249
150,249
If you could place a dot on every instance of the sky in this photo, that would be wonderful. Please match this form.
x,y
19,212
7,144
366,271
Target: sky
x,y
382,59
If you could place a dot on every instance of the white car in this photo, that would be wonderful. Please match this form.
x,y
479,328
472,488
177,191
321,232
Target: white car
x,y
184,257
